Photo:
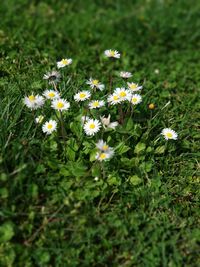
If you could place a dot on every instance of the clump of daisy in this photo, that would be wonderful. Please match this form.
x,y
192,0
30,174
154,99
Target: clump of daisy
x,y
112,53
39,119
125,74
105,152
51,94
96,104
34,101
91,126
107,124
49,126
169,134
123,94
93,83
134,87
82,96
136,99
60,104
64,62
52,77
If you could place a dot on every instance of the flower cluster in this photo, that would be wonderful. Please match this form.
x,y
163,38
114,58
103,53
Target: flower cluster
x,y
92,103
104,151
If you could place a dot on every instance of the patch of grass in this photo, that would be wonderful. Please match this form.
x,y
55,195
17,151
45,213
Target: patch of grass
x,y
51,218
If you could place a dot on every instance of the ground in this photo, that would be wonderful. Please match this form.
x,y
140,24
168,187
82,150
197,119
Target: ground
x,y
51,219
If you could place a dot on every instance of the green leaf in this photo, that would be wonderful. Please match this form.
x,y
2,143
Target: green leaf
x,y
121,148
113,180
76,128
6,232
129,125
77,169
140,147
135,180
160,150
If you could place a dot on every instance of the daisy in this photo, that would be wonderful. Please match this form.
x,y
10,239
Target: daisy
x,y
34,101
91,126
52,77
60,104
49,126
64,62
125,74
134,87
39,119
93,83
107,124
104,155
101,145
112,53
123,94
96,104
169,134
51,94
114,99
81,96
136,99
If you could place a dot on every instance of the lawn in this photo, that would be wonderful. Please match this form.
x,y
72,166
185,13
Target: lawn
x,y
59,206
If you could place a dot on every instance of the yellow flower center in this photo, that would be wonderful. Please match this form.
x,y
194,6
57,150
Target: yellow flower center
x,y
64,61
105,147
92,126
82,95
112,53
95,82
134,99
60,105
133,86
31,97
122,94
95,104
115,97
51,94
102,156
169,135
49,126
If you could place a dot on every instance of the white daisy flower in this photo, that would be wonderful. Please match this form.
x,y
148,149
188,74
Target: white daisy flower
x,y
51,94
52,77
96,178
93,83
134,87
114,99
96,104
136,99
92,126
169,134
101,156
123,94
81,96
125,74
60,104
107,124
112,53
39,119
64,62
34,101
101,145
49,126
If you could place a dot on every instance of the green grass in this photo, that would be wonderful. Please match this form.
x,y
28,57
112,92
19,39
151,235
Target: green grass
x,y
52,214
